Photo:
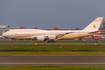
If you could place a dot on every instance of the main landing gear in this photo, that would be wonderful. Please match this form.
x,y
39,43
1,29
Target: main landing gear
x,y
51,41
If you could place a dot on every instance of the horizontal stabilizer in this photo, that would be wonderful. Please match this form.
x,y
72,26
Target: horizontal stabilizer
x,y
94,32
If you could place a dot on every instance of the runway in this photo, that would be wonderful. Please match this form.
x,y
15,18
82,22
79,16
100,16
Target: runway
x,y
50,43
52,60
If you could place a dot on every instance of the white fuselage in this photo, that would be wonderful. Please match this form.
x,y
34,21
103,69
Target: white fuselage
x,y
32,33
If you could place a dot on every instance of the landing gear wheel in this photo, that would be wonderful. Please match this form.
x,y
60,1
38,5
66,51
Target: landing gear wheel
x,y
51,41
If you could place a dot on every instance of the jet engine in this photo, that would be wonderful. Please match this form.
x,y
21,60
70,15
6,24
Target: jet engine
x,y
40,38
44,38
50,37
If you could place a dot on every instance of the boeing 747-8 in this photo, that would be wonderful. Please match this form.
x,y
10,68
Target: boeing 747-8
x,y
53,35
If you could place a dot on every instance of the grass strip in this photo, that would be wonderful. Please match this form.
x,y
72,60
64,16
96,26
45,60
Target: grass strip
x,y
51,48
58,41
72,41
52,67
52,53
101,41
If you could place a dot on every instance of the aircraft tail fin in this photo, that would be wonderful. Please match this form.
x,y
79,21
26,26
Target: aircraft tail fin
x,y
94,26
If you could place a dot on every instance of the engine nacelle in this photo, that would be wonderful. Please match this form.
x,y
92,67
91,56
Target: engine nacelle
x,y
51,37
40,38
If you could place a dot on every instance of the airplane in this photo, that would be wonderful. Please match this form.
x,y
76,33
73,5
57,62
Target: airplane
x,y
53,35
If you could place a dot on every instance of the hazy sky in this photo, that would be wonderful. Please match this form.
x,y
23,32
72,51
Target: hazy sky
x,y
66,14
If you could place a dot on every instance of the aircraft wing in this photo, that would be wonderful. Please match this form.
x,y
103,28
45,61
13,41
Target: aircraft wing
x,y
61,35
50,37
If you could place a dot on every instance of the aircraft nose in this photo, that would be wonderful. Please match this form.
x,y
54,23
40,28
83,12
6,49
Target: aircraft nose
x,y
4,34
